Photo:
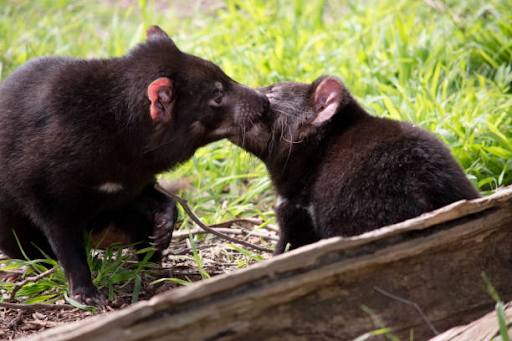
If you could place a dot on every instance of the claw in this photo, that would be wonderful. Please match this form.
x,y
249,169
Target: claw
x,y
91,297
162,224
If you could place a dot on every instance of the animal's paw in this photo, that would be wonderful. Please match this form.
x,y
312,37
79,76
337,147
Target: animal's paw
x,y
89,295
162,234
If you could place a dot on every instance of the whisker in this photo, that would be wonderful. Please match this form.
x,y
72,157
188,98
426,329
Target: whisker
x,y
290,107
149,150
244,132
291,141
282,113
288,157
272,142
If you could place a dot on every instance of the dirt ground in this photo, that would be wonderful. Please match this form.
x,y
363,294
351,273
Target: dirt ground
x,y
217,257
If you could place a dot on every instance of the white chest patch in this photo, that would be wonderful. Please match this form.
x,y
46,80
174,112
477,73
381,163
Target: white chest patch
x,y
110,187
281,201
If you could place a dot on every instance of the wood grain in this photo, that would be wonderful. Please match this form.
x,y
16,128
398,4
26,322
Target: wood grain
x,y
483,329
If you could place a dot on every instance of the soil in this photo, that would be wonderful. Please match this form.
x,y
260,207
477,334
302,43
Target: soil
x,y
178,262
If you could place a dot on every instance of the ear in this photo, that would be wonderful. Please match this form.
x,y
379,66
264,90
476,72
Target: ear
x,y
162,100
327,99
155,32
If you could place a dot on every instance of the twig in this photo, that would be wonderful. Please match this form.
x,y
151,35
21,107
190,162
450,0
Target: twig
x,y
184,234
271,227
172,272
266,236
252,221
228,223
178,251
414,304
19,285
193,273
192,216
36,306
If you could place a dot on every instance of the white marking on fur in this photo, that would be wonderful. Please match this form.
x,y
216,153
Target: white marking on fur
x,y
111,187
281,201
311,210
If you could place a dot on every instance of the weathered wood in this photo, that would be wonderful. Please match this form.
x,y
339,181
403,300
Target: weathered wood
x,y
316,292
483,329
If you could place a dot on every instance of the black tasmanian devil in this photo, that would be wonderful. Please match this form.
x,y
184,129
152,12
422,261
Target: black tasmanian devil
x,y
338,171
82,140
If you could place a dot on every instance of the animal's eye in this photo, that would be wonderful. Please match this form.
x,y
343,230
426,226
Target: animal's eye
x,y
217,100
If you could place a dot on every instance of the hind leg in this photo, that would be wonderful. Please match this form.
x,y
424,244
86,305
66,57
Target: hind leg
x,y
29,236
148,220
296,228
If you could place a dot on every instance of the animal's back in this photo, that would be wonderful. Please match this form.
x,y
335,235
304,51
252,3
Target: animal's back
x,y
23,116
28,103
381,172
51,143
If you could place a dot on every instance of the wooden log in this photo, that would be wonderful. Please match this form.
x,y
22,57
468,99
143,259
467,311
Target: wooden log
x,y
317,292
483,329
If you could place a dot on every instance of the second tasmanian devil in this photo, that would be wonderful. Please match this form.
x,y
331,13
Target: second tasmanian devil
x,y
339,171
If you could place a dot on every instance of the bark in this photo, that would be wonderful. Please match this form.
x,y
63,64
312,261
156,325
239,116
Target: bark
x,y
483,329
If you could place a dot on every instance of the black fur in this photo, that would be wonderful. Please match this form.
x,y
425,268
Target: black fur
x,y
344,172
71,130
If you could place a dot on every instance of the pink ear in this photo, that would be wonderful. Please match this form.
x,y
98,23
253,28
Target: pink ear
x,y
327,100
161,98
155,32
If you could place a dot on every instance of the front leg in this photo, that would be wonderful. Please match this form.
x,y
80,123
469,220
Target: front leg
x,y
161,212
67,242
296,227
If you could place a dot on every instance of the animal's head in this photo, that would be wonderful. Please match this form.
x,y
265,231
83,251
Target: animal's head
x,y
190,97
298,114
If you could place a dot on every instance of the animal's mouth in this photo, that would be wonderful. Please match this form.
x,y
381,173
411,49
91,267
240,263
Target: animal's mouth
x,y
254,125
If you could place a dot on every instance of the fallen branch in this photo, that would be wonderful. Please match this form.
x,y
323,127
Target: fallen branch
x,y
184,234
183,203
251,221
483,329
193,273
172,272
19,285
228,223
36,306
180,251
274,228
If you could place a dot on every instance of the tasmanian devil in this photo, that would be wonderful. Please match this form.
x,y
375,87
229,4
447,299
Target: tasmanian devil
x,y
339,171
82,140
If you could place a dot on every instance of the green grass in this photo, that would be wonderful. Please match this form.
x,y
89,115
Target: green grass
x,y
111,270
448,69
